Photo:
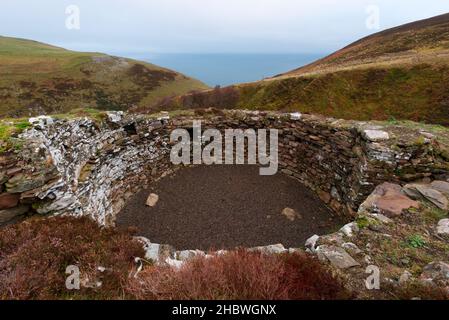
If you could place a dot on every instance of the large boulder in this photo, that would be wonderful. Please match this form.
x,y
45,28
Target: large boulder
x,y
387,199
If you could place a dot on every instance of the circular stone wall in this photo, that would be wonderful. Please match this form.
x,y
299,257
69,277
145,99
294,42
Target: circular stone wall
x,y
82,167
227,206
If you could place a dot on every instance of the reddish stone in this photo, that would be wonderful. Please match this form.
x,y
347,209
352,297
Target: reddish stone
x,y
324,196
9,200
391,202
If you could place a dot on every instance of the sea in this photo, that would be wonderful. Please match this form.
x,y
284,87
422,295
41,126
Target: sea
x,y
226,69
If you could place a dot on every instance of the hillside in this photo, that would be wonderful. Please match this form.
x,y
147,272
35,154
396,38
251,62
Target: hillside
x,y
400,73
425,41
37,78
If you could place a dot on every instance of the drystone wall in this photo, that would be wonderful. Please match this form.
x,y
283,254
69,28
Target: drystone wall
x,y
81,167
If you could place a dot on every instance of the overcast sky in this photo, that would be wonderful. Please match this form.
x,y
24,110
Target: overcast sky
x,y
208,26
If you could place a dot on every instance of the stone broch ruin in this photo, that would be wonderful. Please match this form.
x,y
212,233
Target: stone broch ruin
x,y
83,167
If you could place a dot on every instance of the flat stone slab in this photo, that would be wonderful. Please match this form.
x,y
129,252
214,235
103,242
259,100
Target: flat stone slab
x,y
441,186
429,193
376,135
337,256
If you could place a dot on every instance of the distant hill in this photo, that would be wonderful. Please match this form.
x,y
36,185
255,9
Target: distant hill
x,y
400,73
37,78
424,41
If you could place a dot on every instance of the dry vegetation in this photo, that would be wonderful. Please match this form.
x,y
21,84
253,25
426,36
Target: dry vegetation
x,y
34,255
242,275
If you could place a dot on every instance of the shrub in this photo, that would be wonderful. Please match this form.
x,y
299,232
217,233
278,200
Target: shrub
x,y
34,256
240,275
418,290
416,241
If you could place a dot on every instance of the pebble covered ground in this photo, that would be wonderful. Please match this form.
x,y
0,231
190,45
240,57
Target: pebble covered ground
x,y
227,206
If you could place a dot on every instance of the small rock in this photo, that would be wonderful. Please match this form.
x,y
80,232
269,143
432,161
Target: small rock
x,y
368,259
428,135
376,135
405,261
291,214
165,116
152,252
337,256
156,252
174,263
405,277
271,249
351,247
41,121
376,228
115,116
324,196
311,243
350,229
443,227
436,273
152,200
188,254
295,116
335,238
381,218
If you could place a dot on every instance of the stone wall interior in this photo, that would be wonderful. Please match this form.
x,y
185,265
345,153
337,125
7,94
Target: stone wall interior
x,y
82,167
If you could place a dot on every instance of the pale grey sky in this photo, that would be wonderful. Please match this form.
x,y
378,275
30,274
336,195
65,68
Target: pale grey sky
x,y
207,26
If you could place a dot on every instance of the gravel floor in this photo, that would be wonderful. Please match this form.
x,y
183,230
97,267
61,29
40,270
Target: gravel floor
x,y
227,206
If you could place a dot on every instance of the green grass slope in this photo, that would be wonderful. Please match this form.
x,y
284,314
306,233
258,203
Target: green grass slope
x,y
37,78
400,73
